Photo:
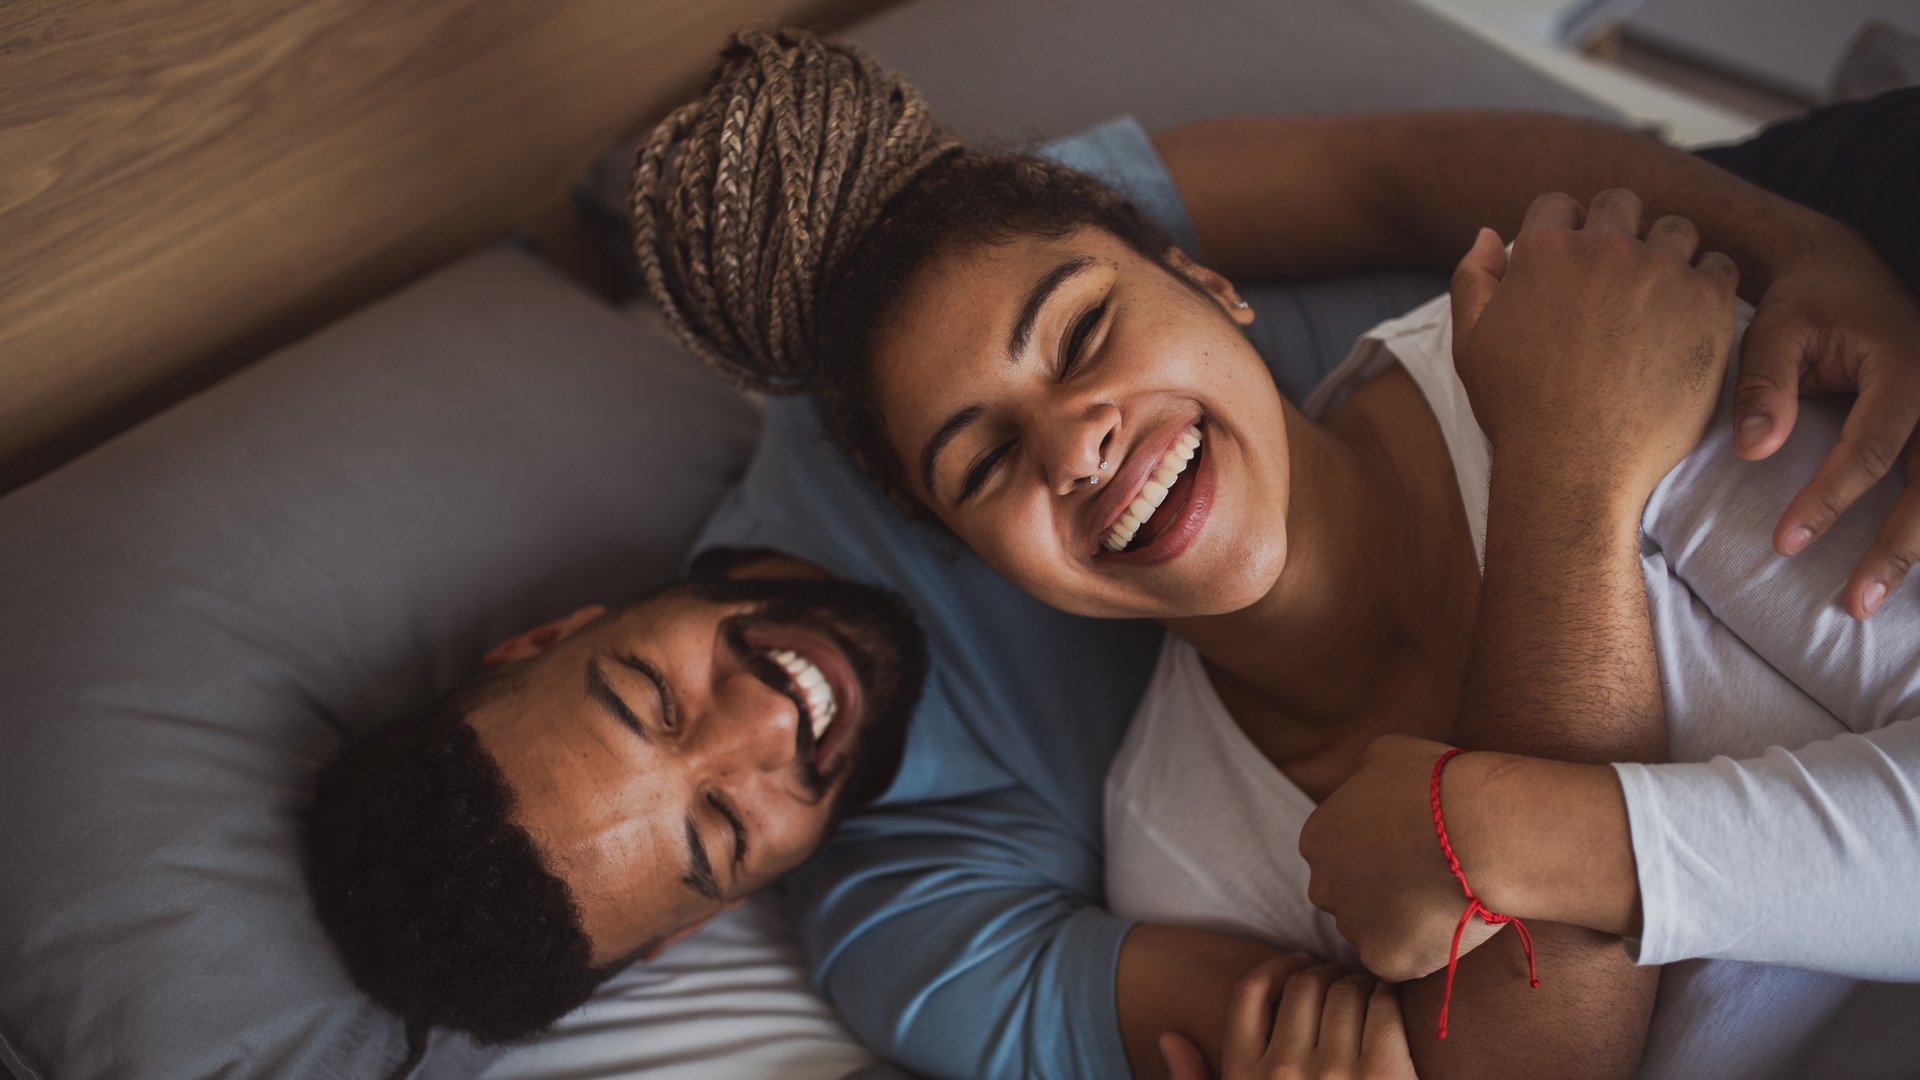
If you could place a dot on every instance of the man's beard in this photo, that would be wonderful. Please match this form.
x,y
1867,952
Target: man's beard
x,y
883,644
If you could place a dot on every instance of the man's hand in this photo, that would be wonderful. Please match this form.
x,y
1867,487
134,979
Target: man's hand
x,y
1839,321
1293,1023
1591,351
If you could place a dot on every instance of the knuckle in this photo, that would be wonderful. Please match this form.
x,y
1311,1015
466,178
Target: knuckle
x,y
1899,555
1254,983
1616,196
1719,264
1311,979
1555,199
1876,454
1674,225
1349,993
1828,505
1755,387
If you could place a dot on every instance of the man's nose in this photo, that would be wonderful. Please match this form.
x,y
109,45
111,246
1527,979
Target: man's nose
x,y
750,726
1074,445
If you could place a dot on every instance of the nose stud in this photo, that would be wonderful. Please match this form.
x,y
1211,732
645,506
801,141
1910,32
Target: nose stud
x,y
1094,480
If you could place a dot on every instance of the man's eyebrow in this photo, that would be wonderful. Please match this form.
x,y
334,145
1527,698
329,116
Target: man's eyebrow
x,y
602,691
1037,299
699,868
930,454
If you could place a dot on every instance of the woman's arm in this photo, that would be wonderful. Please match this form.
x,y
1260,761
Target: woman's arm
x,y
1820,874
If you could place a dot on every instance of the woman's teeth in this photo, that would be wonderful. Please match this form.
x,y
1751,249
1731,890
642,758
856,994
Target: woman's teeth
x,y
813,687
1155,491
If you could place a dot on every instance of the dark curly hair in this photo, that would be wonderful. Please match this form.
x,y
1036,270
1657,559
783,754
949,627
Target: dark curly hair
x,y
440,905
782,213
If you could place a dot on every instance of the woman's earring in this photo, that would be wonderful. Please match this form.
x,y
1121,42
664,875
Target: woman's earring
x,y
1242,305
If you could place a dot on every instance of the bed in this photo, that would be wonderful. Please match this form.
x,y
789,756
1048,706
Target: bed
x,y
200,608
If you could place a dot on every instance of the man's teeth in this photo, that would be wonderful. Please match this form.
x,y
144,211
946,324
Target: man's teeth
x,y
813,687
1155,491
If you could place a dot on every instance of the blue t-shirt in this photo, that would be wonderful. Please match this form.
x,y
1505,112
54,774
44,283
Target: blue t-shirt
x,y
959,925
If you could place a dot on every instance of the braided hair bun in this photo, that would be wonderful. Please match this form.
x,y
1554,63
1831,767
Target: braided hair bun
x,y
748,201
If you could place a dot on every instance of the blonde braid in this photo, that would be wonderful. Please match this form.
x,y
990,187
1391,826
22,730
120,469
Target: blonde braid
x,y
748,201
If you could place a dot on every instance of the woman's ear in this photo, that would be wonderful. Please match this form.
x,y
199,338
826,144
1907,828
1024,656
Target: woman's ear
x,y
1213,285
531,643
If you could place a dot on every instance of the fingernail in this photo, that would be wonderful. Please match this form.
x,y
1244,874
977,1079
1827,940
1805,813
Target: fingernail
x,y
1753,429
1798,539
1870,599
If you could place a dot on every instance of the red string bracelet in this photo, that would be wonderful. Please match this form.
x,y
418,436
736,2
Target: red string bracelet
x,y
1474,906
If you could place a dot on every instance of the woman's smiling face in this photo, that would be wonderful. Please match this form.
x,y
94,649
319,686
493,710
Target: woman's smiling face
x,y
1009,373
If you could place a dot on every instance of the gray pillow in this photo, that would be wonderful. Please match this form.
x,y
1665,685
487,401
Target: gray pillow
x,y
197,612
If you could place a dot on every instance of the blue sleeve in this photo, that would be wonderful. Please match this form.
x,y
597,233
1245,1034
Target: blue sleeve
x,y
964,939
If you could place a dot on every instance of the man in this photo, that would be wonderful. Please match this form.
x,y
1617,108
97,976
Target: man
x,y
611,781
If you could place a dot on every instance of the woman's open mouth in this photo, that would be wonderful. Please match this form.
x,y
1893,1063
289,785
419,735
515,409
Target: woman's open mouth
x,y
1165,490
1166,513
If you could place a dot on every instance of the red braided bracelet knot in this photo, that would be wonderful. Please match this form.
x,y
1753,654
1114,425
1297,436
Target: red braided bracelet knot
x,y
1474,906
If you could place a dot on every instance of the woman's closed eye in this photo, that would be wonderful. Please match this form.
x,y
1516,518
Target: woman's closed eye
x,y
1075,347
983,469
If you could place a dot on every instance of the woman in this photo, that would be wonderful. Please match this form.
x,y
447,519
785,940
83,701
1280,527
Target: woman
x,y
1016,338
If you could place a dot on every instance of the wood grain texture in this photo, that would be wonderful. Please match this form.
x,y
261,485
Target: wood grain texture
x,y
184,183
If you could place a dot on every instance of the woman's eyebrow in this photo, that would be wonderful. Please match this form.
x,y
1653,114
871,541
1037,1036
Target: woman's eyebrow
x,y
1037,299
930,454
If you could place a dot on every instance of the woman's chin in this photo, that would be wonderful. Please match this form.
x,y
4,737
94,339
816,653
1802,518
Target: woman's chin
x,y
1169,597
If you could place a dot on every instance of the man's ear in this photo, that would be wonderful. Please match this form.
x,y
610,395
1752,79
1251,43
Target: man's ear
x,y
1213,285
532,643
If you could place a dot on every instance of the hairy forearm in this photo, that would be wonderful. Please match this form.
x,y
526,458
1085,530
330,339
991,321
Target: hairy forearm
x,y
1562,667
1282,196
1562,663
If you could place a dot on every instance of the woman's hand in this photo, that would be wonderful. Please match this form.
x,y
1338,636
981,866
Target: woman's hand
x,y
1329,1024
1376,865
1536,838
1838,321
1593,352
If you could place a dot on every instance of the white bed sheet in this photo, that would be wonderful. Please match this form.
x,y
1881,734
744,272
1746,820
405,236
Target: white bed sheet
x,y
732,1001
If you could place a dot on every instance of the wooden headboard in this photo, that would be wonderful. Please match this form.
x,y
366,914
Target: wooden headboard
x,y
185,183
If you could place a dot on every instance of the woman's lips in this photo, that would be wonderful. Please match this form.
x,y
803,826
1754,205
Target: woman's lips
x,y
1136,471
1160,497
1185,512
